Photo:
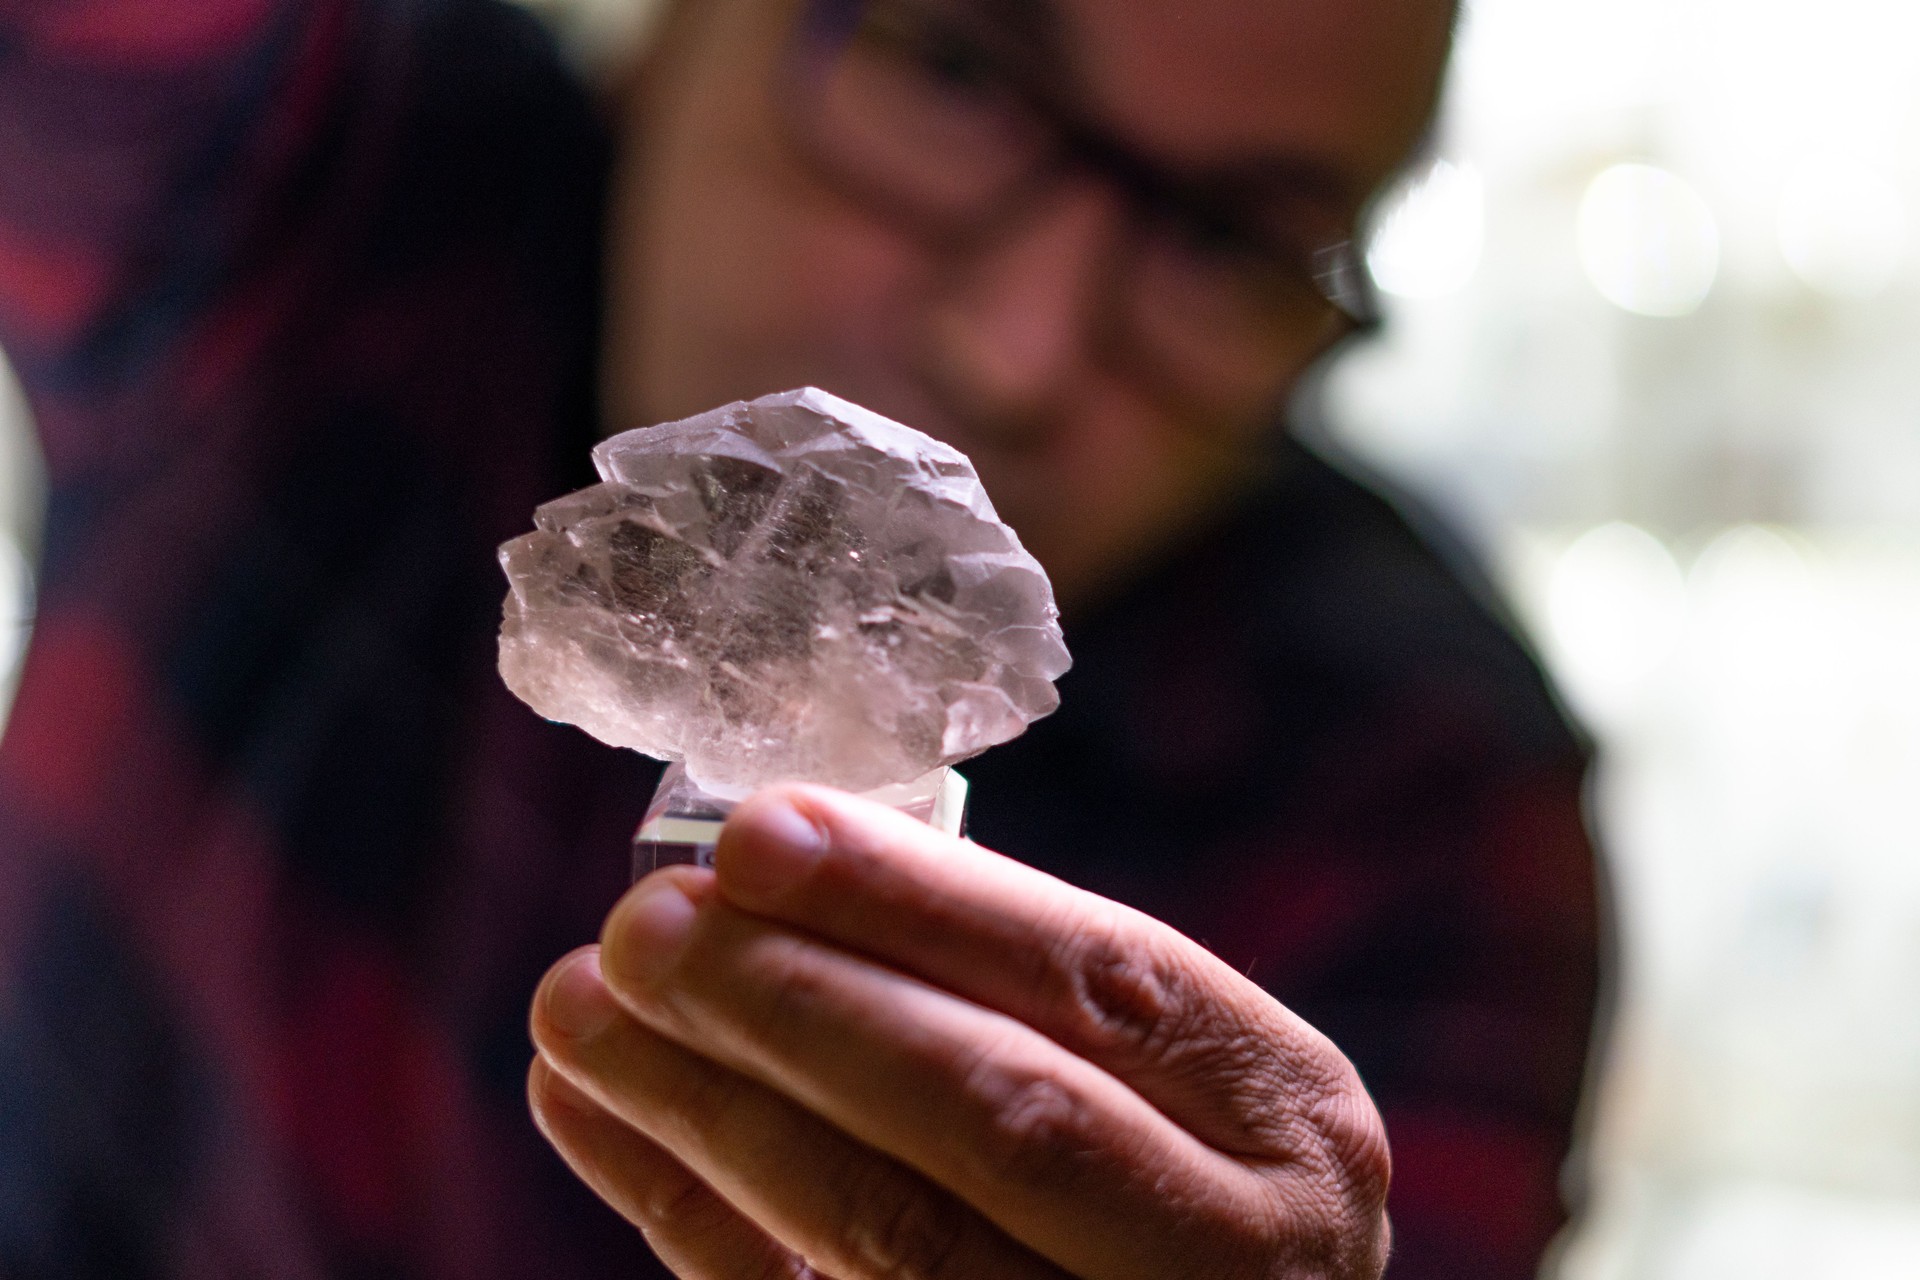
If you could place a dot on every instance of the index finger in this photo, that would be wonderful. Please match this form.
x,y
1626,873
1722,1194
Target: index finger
x,y
1202,1043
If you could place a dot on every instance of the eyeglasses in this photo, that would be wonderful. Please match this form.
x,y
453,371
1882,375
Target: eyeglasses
x,y
945,122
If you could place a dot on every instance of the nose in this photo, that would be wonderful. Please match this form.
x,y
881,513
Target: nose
x,y
1015,320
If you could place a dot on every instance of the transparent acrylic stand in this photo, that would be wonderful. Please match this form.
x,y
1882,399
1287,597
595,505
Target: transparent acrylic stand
x,y
683,822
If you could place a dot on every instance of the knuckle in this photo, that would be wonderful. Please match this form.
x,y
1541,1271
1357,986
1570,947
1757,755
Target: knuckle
x,y
1033,1131
1330,1205
686,1213
1125,993
682,1208
895,1231
1305,1239
1355,1140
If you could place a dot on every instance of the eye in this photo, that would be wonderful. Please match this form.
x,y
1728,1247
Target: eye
x,y
1222,236
1230,256
938,47
958,62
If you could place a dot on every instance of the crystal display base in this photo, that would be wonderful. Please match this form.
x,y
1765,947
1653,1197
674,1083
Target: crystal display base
x,y
683,822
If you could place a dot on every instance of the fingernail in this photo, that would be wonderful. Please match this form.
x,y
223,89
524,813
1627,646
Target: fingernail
x,y
774,846
578,1004
649,928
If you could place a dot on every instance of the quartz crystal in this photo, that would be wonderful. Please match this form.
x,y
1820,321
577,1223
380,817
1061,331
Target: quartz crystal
x,y
788,588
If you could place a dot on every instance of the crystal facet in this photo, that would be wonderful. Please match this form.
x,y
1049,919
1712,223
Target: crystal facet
x,y
792,587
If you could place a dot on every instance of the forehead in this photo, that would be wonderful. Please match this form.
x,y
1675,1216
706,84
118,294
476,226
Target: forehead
x,y
1347,84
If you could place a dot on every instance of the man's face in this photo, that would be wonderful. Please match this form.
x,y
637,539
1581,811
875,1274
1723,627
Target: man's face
x,y
741,266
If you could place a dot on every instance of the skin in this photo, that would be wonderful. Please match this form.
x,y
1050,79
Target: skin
x,y
859,1048
736,271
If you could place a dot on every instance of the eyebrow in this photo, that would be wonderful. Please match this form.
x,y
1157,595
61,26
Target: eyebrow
x,y
1030,34
1039,30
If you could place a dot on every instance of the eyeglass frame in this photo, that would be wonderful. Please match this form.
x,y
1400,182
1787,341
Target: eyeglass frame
x,y
1336,272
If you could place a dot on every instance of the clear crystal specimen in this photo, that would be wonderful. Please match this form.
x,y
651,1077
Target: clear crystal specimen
x,y
682,824
792,587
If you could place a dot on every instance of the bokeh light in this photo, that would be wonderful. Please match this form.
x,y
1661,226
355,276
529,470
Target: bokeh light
x,y
1616,604
1842,227
1648,241
1712,524
1427,242
1756,1233
16,605
21,502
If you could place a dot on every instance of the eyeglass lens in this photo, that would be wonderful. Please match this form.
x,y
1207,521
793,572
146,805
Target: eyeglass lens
x,y
925,108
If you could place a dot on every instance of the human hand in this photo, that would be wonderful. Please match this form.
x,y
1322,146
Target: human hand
x,y
859,1048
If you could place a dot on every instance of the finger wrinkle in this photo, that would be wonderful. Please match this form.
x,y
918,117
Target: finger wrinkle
x,y
643,1182
684,1206
907,1234
1129,997
1356,1140
1030,1125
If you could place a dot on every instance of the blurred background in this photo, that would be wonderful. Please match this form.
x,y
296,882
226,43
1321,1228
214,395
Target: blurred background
x,y
19,529
1653,309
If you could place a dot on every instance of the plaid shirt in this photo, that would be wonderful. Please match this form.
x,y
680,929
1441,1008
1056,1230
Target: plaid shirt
x,y
304,297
